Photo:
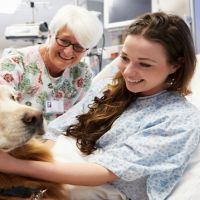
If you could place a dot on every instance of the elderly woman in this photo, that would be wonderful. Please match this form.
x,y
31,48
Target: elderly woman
x,y
51,76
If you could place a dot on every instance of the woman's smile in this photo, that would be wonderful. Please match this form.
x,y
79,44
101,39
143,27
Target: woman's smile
x,y
62,56
134,81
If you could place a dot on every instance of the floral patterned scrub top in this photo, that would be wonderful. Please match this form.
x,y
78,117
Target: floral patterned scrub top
x,y
25,70
148,147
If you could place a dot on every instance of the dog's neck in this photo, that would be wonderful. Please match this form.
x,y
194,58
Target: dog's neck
x,y
22,192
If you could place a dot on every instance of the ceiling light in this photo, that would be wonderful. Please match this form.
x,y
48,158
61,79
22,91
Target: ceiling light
x,y
9,6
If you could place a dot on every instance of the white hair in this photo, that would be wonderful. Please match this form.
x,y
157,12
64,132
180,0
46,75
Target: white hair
x,y
84,24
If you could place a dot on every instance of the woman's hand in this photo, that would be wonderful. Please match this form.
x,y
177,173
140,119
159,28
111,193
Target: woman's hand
x,y
7,162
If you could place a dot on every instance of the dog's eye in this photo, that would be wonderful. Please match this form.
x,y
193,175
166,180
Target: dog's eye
x,y
13,97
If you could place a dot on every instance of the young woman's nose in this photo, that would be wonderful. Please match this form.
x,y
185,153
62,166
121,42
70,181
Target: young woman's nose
x,y
130,69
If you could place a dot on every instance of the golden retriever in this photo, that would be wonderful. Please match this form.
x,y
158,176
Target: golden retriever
x,y
18,124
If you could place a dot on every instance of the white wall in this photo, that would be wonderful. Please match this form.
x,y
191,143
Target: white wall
x,y
196,23
188,9
178,7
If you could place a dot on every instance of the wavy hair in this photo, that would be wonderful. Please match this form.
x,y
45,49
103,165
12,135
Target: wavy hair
x,y
101,115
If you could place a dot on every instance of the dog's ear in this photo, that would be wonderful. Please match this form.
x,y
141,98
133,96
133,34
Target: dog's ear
x,y
6,91
9,92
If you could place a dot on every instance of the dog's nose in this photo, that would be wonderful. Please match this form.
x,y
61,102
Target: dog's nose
x,y
33,118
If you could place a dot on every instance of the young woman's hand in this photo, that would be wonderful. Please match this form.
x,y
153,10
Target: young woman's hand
x,y
88,174
6,162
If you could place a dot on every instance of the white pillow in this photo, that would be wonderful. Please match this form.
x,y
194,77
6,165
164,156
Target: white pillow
x,y
65,150
107,72
195,86
189,186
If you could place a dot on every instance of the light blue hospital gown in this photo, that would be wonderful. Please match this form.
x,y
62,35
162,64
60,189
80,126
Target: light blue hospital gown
x,y
148,146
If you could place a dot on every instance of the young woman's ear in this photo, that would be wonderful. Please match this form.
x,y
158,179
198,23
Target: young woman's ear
x,y
179,63
175,68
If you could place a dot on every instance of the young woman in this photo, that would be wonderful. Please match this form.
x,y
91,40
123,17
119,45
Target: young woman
x,y
52,73
141,132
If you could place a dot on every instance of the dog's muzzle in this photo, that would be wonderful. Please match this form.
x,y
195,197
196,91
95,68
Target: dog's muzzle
x,y
34,121
33,118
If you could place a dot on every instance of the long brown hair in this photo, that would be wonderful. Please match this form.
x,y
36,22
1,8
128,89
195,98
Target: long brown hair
x,y
101,115
173,33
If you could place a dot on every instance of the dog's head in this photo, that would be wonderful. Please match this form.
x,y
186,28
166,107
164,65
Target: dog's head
x,y
18,123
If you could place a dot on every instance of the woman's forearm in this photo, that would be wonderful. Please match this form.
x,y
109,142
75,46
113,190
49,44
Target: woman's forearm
x,y
69,173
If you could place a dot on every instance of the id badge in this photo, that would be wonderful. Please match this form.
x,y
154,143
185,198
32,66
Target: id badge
x,y
54,106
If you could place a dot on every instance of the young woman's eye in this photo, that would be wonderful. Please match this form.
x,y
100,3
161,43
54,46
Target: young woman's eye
x,y
124,58
145,65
